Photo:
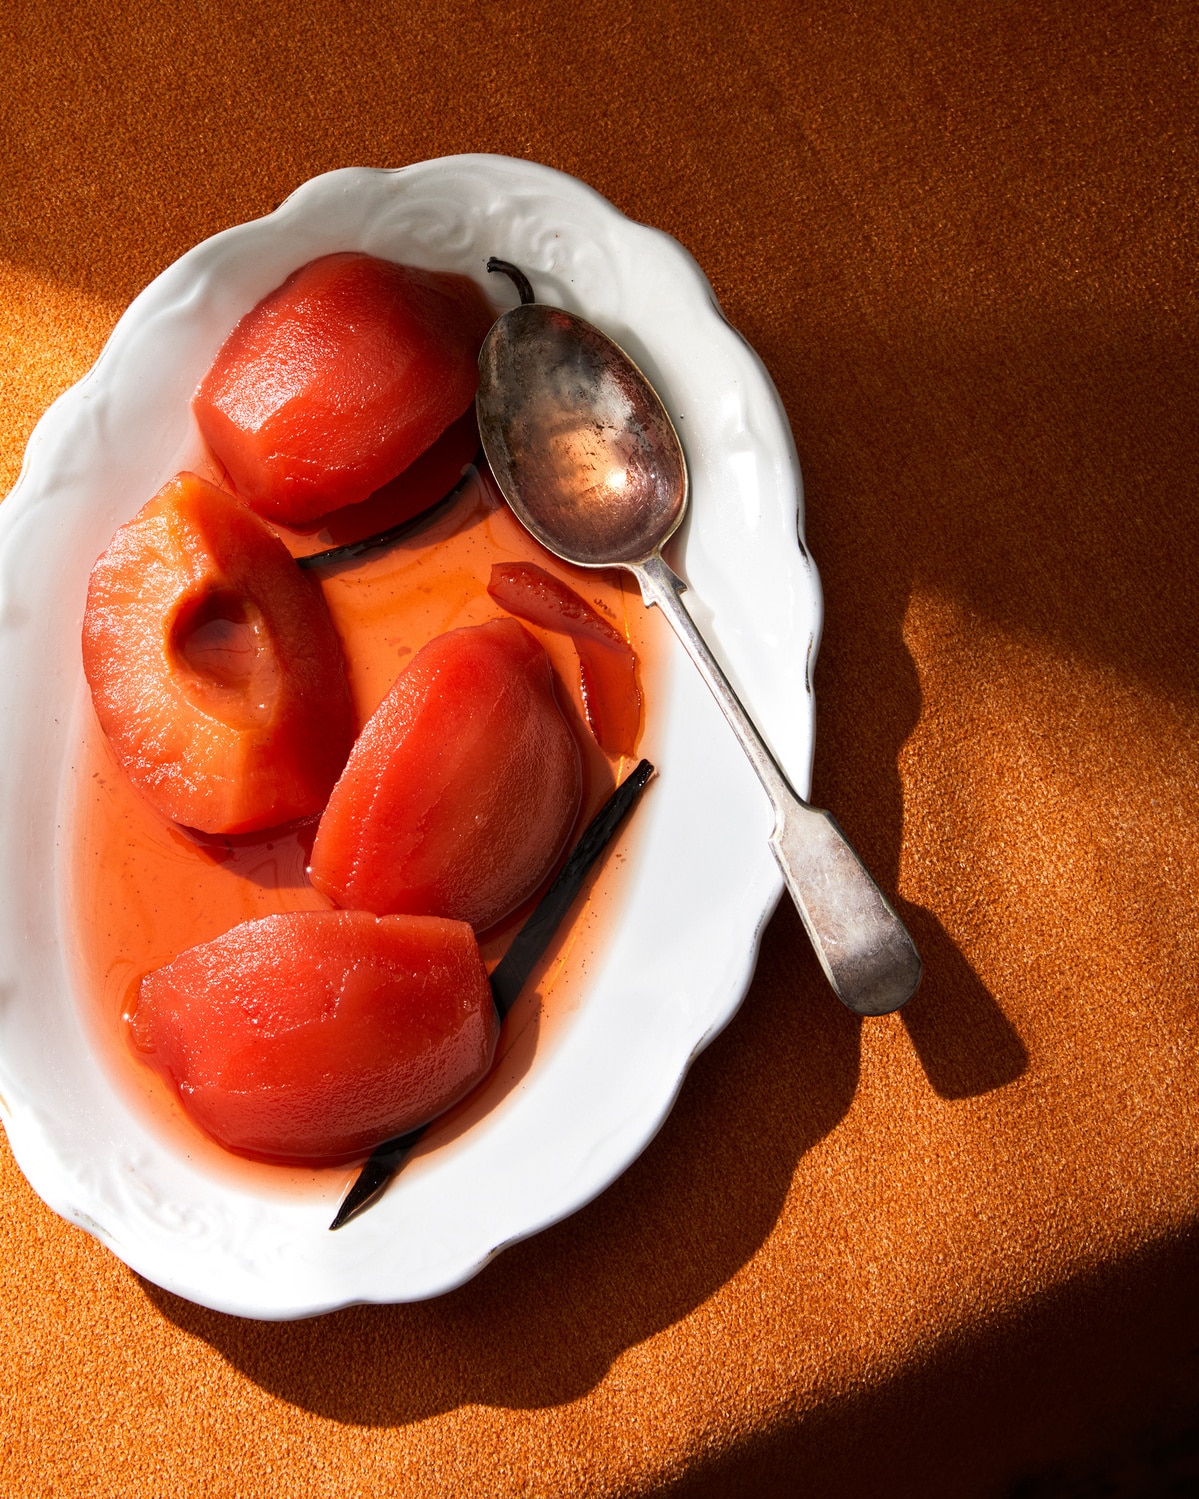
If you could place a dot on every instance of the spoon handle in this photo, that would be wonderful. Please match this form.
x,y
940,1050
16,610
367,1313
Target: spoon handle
x,y
863,947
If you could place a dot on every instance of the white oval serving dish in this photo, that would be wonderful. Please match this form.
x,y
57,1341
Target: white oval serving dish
x,y
673,969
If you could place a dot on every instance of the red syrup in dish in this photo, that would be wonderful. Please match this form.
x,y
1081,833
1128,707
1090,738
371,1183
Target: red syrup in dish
x,y
140,890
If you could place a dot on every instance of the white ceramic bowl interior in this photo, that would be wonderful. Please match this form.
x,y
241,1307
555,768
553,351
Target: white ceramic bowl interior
x,y
681,951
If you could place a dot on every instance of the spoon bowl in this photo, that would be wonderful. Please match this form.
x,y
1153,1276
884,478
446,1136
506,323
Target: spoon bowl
x,y
579,443
587,457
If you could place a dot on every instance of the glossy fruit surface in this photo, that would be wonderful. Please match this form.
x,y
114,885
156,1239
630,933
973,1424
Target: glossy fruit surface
x,y
440,470
607,663
213,665
339,379
314,1036
462,788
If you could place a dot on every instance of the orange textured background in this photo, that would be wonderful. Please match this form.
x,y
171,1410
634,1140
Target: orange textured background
x,y
948,1253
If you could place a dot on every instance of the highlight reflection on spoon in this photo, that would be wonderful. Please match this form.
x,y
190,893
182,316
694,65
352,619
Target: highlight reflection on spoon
x,y
585,454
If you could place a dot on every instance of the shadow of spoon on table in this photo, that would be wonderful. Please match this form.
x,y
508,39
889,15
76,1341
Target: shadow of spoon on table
x,y
965,1042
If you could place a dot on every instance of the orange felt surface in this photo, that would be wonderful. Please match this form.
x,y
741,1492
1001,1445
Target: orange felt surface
x,y
943,1253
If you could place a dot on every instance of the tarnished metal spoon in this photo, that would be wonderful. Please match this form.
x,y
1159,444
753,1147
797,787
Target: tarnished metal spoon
x,y
584,452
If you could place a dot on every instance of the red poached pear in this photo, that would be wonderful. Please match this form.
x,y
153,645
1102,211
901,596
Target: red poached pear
x,y
338,379
607,664
214,667
462,789
310,1037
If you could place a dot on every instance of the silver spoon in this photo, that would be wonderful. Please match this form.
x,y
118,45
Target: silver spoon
x,y
585,454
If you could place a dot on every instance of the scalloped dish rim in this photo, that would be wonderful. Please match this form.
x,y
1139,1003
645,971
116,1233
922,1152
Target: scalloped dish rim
x,y
682,950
